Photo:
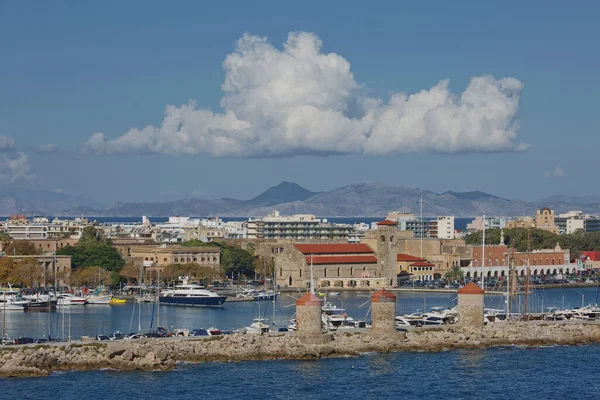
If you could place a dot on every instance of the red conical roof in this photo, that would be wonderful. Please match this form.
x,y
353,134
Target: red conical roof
x,y
470,288
383,296
309,299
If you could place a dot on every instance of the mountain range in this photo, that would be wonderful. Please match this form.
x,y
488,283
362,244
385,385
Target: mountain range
x,y
357,200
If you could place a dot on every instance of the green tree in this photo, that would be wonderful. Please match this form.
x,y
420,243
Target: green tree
x,y
455,274
93,250
238,261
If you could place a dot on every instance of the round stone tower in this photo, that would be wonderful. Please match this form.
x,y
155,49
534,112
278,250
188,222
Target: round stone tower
x,y
470,305
387,252
383,312
308,315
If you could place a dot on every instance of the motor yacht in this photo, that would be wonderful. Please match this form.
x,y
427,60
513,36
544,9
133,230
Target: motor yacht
x,y
103,299
258,326
191,295
11,300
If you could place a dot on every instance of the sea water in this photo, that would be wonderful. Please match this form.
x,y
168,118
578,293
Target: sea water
x,y
91,320
500,373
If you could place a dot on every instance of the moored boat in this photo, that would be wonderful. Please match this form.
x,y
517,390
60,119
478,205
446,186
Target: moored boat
x,y
191,295
11,300
99,299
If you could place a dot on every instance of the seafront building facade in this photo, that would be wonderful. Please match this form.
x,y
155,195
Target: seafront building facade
x,y
156,257
297,227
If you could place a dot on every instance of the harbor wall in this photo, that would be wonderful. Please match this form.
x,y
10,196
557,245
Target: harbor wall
x,y
162,354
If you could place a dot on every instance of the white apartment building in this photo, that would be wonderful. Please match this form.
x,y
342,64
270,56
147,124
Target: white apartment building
x,y
27,232
442,228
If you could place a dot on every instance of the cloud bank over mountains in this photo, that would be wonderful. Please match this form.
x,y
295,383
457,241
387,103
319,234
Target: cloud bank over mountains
x,y
14,165
299,100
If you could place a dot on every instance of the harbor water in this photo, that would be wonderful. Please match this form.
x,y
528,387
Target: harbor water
x,y
91,320
499,373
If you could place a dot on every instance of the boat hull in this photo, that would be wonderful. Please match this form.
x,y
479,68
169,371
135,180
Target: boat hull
x,y
104,300
41,306
193,301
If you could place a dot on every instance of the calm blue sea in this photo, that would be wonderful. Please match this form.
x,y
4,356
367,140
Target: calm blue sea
x,y
500,373
91,320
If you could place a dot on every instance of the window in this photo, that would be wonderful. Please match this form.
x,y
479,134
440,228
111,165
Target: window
x,y
164,259
195,259
176,259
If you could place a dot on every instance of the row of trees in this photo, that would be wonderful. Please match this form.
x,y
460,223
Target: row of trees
x,y
25,272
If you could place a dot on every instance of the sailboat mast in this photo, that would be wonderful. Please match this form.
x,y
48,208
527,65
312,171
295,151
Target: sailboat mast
x,y
483,258
158,300
422,228
312,288
527,278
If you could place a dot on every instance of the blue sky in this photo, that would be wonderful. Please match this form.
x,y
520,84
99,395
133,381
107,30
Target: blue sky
x,y
69,70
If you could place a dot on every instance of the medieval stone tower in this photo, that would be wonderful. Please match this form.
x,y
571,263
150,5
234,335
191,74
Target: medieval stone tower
x,y
387,252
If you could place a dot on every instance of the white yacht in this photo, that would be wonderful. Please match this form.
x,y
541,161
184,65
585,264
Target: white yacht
x,y
11,300
258,326
99,299
191,295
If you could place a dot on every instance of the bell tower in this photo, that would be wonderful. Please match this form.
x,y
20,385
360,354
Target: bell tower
x,y
387,252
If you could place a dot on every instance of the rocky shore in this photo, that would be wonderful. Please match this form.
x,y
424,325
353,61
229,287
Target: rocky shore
x,y
163,354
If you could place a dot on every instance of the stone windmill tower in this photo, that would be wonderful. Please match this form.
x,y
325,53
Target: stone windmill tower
x,y
387,252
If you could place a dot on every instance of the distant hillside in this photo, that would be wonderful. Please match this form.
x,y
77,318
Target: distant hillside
x,y
14,200
362,199
285,192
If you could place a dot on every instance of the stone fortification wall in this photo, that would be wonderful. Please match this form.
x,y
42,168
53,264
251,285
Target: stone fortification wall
x,y
161,354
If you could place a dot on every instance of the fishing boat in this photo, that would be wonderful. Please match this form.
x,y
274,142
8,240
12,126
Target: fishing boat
x,y
191,295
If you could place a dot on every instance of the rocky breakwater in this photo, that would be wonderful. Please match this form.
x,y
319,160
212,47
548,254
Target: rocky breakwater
x,y
162,354
532,333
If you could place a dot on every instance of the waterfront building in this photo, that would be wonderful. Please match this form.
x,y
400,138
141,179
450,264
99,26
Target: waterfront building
x,y
295,227
543,262
161,256
339,265
572,221
442,228
408,222
490,223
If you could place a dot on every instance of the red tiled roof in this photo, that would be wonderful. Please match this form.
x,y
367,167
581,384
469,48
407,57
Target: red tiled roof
x,y
470,288
592,255
383,296
309,299
422,264
387,222
342,260
333,248
408,257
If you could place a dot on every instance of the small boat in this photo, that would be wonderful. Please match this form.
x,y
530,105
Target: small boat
x,y
265,295
191,295
258,326
114,300
41,306
99,299
212,331
11,300
68,299
333,293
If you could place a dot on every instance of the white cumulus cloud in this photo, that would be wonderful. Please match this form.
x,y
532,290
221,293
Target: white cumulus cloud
x,y
299,100
6,143
14,167
557,172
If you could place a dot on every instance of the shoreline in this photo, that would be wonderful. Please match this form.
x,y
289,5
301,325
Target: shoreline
x,y
164,354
